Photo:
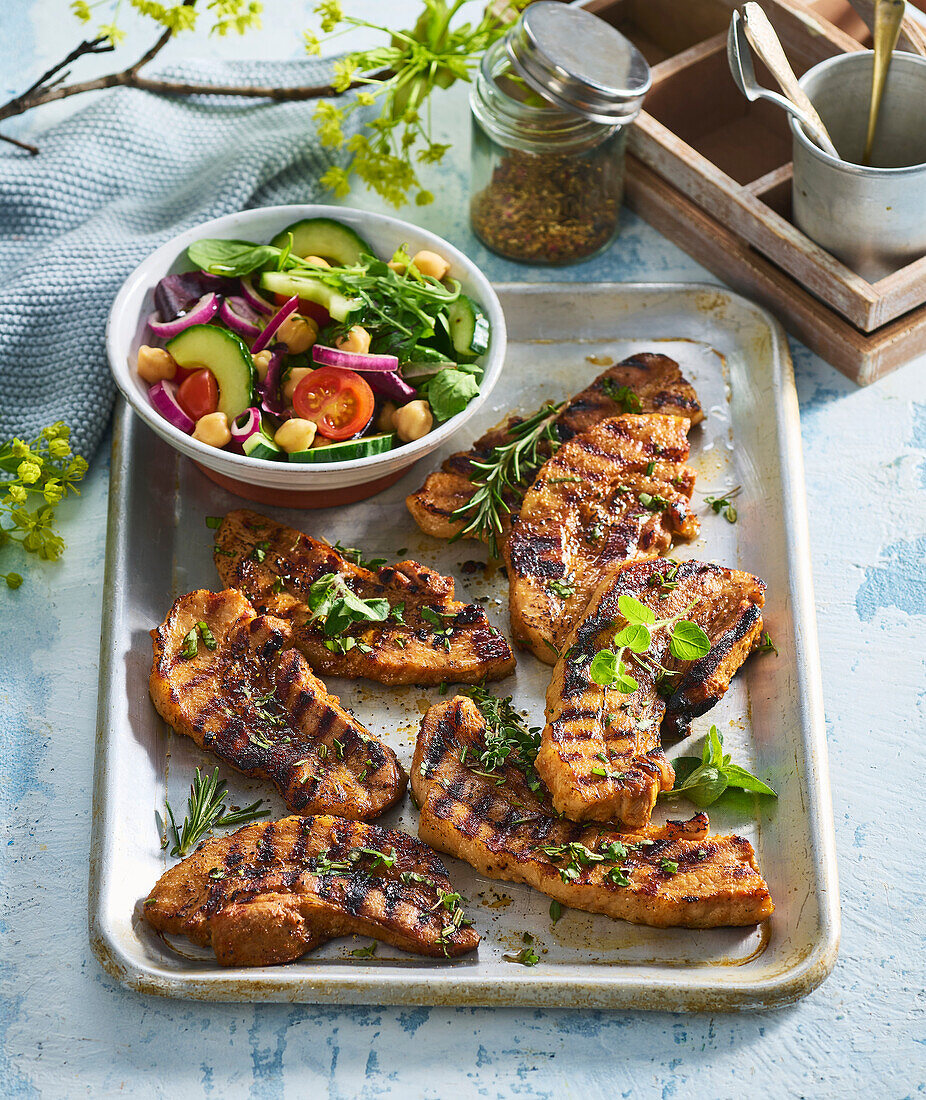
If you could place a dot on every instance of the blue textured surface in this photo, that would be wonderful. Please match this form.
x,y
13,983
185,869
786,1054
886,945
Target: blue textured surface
x,y
68,1030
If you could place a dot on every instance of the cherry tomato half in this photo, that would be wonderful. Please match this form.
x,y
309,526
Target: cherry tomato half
x,y
318,313
339,401
198,394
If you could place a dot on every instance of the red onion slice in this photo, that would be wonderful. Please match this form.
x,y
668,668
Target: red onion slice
x,y
245,425
286,310
199,314
390,385
354,360
237,313
163,396
255,300
271,397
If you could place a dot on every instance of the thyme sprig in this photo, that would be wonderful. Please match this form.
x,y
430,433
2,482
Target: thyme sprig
x,y
505,473
206,811
508,740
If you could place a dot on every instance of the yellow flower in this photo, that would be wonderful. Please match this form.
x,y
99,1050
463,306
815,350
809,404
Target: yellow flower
x,y
312,45
17,494
29,472
59,448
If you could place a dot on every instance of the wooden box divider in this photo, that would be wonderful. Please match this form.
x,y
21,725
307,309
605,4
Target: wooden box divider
x,y
725,165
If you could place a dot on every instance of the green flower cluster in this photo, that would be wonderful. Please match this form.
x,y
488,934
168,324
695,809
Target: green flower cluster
x,y
36,476
399,78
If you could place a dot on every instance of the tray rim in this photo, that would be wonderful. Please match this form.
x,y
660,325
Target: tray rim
x,y
630,987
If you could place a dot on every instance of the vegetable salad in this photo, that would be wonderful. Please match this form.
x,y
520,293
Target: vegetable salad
x,y
311,348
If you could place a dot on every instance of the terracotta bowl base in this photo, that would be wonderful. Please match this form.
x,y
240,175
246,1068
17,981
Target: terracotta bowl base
x,y
302,498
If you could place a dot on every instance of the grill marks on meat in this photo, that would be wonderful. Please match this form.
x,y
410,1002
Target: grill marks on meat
x,y
657,382
256,704
465,648
584,512
502,829
592,730
272,891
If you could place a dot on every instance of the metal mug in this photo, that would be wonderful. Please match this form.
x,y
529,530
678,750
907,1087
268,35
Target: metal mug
x,y
871,218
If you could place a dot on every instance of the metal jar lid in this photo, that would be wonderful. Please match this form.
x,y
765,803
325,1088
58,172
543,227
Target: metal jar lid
x,y
578,61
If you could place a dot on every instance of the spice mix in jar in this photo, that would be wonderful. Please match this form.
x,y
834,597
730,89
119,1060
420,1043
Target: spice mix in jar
x,y
551,105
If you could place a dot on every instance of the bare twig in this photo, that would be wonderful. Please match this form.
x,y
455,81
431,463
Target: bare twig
x,y
49,88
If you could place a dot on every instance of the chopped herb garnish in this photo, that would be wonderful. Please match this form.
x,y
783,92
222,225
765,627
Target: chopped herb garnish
x,y
259,553
669,866
213,522
508,741
561,588
623,395
556,911
724,504
190,646
650,468
652,502
351,553
206,634
527,956
767,645
364,952
337,607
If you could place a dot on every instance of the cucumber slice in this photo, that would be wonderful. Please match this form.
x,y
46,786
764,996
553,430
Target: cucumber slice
x,y
469,327
326,238
260,445
311,290
363,447
226,356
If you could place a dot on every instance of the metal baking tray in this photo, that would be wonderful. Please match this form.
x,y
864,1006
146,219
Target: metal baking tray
x,y
772,718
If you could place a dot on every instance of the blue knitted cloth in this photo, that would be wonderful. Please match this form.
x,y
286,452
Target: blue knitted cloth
x,y
110,185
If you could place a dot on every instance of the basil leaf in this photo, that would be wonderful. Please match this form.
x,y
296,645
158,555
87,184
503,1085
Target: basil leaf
x,y
450,391
739,777
635,636
634,611
704,786
233,258
688,642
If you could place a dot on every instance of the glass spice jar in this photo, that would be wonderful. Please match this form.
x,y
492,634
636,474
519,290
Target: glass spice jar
x,y
549,135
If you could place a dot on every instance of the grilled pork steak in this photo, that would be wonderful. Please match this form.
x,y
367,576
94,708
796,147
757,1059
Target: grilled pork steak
x,y
253,701
600,751
674,875
428,638
655,381
616,493
272,891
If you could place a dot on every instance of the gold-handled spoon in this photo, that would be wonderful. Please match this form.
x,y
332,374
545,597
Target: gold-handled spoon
x,y
888,17
765,42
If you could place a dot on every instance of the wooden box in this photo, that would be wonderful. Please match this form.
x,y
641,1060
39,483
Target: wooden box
x,y
713,171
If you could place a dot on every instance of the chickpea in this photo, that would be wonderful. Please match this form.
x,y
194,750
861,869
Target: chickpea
x,y
295,435
213,429
293,379
155,364
385,422
357,339
413,421
397,266
429,263
319,261
262,363
298,333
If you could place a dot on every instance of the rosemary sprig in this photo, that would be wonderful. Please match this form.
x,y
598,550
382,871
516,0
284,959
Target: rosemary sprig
x,y
206,811
505,474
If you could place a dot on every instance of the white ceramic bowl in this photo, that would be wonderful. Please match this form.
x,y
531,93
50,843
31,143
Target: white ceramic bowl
x,y
280,482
